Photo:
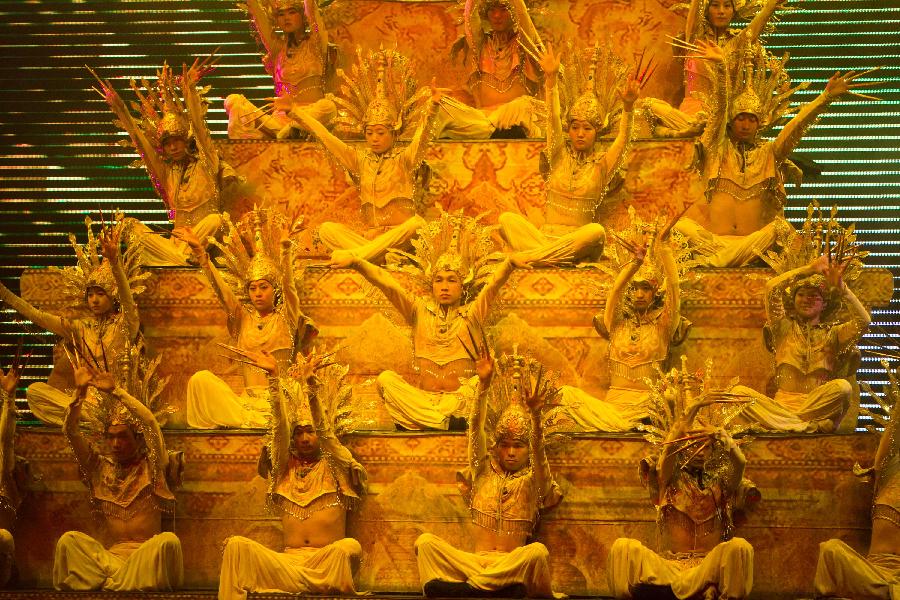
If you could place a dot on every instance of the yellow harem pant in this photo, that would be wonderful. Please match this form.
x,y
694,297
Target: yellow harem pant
x,y
528,565
212,403
728,567
797,412
459,121
7,556
414,408
842,571
585,242
341,239
82,563
159,251
619,410
49,404
247,122
248,566
729,250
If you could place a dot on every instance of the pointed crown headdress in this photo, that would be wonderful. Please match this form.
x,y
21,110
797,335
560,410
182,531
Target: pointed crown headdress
x,y
162,108
334,393
638,233
380,90
671,397
591,82
517,376
250,249
454,242
138,375
765,91
92,270
820,234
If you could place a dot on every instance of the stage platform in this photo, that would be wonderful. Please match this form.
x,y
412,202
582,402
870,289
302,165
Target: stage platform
x,y
546,312
809,494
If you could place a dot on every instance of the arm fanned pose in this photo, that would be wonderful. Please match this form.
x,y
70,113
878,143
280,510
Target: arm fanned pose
x,y
402,300
343,153
45,320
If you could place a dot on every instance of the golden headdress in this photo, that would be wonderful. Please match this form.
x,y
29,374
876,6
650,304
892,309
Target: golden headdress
x,y
454,242
252,248
764,91
380,90
92,270
743,9
886,418
590,85
819,235
137,375
162,108
640,233
517,377
671,397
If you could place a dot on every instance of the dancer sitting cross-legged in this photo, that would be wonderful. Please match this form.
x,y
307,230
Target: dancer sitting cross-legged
x,y
506,486
313,482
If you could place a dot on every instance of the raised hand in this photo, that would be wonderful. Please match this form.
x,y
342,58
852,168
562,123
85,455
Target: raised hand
x,y
834,273
839,84
103,381
9,380
261,360
630,93
548,60
187,235
110,240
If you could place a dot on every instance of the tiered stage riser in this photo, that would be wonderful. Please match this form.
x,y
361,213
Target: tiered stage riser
x,y
547,312
809,495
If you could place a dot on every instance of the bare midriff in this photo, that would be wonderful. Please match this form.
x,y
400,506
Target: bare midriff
x,y
492,541
139,528
730,216
321,528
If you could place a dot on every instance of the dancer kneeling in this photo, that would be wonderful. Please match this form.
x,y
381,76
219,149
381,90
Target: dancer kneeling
x,y
129,491
844,572
313,482
506,486
697,483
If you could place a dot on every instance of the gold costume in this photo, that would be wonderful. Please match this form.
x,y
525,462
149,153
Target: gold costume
x,y
844,572
501,501
745,180
123,493
10,496
389,184
637,346
299,70
109,335
211,402
727,565
809,360
439,356
502,78
190,189
576,188
699,76
298,490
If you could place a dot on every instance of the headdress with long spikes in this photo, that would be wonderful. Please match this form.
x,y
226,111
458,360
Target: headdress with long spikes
x,y
454,242
887,417
251,249
764,91
590,85
517,376
380,90
637,234
743,9
92,270
162,108
820,235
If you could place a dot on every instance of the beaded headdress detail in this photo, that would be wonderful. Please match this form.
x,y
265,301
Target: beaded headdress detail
x,y
250,248
92,270
380,90
590,85
454,242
